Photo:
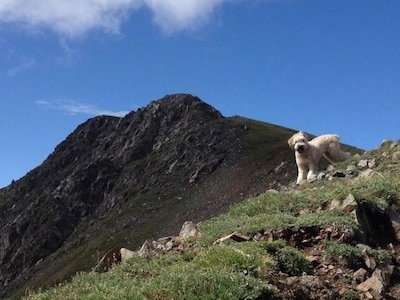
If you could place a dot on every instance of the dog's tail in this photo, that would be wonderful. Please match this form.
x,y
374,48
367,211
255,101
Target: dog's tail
x,y
334,153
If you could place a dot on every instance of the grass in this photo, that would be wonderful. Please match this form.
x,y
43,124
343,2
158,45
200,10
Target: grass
x,y
244,270
384,190
353,255
263,139
271,211
292,262
351,295
219,273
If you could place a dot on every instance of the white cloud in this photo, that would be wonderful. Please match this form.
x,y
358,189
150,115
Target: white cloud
x,y
73,18
74,108
67,17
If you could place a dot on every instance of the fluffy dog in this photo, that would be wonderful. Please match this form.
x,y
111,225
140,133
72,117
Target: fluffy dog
x,y
308,153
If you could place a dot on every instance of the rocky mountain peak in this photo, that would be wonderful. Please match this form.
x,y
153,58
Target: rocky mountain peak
x,y
184,104
158,150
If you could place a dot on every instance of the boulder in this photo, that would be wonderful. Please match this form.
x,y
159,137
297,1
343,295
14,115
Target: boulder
x,y
126,254
378,222
363,163
377,284
372,286
188,230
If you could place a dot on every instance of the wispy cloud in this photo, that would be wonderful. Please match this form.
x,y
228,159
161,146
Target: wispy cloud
x,y
74,18
176,15
69,18
21,67
75,108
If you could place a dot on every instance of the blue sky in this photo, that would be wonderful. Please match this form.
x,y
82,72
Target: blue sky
x,y
314,65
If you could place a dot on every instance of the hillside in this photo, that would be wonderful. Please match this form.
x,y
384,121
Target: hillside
x,y
115,182
337,238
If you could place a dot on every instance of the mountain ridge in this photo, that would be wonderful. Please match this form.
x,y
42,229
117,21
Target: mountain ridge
x,y
123,180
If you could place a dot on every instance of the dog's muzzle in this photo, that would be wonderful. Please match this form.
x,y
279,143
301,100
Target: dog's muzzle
x,y
300,148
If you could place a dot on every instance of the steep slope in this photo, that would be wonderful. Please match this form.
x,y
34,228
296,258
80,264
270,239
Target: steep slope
x,y
118,181
335,238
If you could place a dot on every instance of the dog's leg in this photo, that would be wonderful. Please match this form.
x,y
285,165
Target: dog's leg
x,y
302,174
328,156
312,173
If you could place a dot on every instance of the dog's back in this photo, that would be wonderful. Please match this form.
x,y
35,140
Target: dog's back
x,y
332,151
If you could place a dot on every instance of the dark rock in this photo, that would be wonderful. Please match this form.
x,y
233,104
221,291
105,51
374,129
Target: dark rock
x,y
338,174
376,221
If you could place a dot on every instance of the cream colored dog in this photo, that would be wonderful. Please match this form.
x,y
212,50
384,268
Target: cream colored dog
x,y
308,153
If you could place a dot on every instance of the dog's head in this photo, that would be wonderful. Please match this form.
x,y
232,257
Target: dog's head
x,y
299,142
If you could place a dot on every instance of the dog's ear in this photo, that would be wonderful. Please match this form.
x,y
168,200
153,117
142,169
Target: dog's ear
x,y
291,142
304,135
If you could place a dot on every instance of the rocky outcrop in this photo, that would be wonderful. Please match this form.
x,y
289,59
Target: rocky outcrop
x,y
150,247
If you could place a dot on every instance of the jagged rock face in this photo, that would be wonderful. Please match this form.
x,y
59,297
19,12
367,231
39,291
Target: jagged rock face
x,y
164,148
381,224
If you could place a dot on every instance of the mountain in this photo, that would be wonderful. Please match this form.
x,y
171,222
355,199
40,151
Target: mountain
x,y
115,182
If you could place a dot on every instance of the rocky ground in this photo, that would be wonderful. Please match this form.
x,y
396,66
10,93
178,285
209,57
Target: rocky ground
x,y
375,274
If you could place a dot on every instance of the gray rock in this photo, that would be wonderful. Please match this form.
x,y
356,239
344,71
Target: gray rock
x,y
372,163
367,173
360,275
363,163
351,170
369,260
396,155
395,144
349,203
384,274
373,286
309,287
126,254
188,230
376,285
321,176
